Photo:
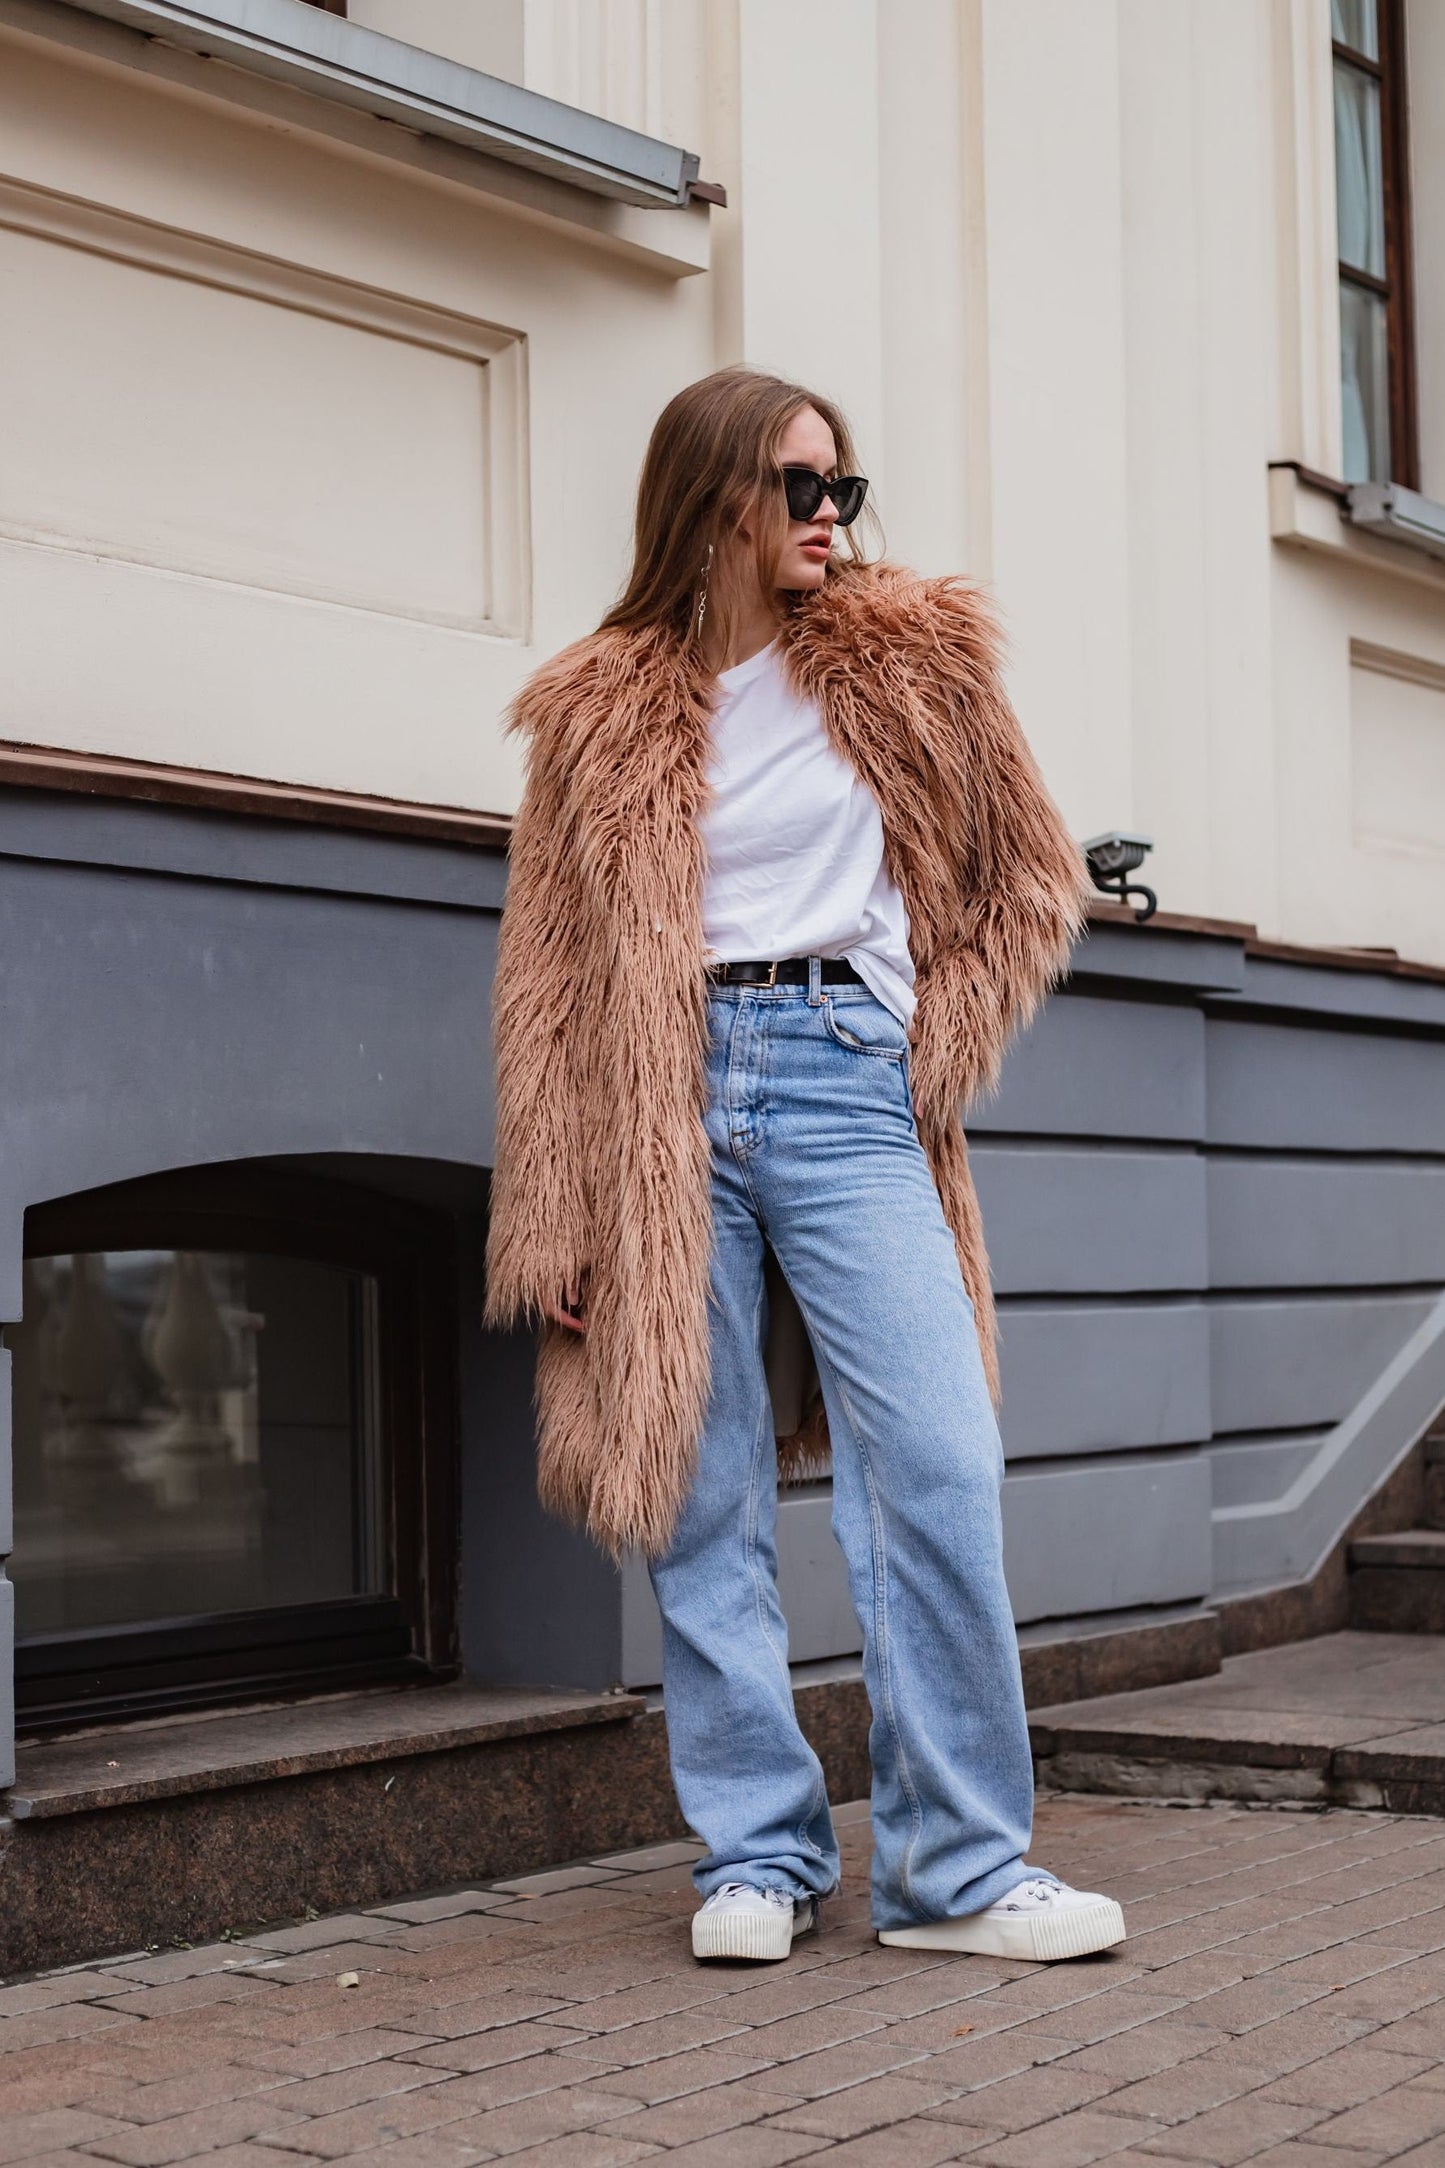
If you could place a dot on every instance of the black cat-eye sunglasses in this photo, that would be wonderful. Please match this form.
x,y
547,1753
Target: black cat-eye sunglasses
x,y
806,491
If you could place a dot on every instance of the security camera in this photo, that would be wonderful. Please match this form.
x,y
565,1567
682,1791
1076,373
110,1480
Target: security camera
x,y
1112,858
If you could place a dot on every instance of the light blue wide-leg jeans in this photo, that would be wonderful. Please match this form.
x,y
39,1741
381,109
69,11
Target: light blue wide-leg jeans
x,y
815,1153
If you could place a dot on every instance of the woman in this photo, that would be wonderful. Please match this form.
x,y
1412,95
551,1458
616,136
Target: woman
x,y
784,880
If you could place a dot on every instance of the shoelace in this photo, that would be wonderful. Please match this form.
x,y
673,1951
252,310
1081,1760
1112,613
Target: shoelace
x,y
1038,1887
734,1889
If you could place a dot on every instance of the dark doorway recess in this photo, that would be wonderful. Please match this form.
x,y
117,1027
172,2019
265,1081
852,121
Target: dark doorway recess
x,y
234,1396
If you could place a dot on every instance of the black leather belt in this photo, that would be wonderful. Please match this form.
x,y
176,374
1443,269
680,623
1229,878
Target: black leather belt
x,y
790,971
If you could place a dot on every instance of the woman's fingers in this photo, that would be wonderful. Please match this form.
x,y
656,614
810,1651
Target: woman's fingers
x,y
569,1312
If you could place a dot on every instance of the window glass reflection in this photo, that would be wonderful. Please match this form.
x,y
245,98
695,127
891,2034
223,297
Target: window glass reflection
x,y
1364,385
195,1432
1354,23
1359,171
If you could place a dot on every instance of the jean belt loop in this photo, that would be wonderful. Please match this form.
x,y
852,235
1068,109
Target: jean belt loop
x,y
815,982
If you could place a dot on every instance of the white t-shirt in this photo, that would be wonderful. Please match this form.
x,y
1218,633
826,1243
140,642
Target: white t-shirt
x,y
794,841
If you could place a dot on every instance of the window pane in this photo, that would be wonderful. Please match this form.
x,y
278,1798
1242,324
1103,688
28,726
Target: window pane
x,y
1365,373
1354,23
195,1432
1359,171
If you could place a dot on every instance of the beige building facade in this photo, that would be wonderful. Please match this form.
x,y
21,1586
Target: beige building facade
x,y
374,402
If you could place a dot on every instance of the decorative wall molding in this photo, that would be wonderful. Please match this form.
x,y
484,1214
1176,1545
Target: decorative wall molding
x,y
1393,663
497,352
97,775
131,239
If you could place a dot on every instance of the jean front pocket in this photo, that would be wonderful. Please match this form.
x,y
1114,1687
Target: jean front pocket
x,y
866,1027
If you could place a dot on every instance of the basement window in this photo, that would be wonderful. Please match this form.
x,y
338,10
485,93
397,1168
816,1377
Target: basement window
x,y
232,1446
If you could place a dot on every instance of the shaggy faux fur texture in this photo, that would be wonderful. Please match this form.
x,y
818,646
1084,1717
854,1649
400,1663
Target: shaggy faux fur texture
x,y
600,1019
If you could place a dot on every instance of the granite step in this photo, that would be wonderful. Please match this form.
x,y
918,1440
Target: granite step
x,y
1397,1582
1350,1719
1434,1515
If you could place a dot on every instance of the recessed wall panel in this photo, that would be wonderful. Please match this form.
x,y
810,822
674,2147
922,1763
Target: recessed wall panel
x,y
1397,747
1313,1223
1089,1066
1323,1091
1089,1377
1091,1222
219,418
1107,1537
1280,1363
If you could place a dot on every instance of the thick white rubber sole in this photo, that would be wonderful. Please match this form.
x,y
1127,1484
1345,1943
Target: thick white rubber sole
x,y
762,1936
1046,1937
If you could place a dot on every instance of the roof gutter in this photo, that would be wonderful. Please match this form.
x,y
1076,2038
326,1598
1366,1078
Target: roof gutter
x,y
346,64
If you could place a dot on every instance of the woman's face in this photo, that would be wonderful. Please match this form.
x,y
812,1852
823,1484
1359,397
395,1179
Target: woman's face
x,y
808,442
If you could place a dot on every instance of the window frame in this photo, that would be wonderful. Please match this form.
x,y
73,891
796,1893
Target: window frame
x,y
408,1632
1396,289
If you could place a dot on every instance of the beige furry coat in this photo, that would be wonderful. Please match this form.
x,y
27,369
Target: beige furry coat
x,y
602,1175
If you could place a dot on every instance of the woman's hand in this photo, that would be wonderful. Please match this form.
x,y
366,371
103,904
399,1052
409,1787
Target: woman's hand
x,y
570,1312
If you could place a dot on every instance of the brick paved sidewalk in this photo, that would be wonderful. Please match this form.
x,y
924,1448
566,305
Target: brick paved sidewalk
x,y
1281,2000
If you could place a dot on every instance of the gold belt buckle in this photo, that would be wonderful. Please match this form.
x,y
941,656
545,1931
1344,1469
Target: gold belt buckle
x,y
772,977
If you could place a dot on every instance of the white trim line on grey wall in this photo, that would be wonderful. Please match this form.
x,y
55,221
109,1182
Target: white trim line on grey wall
x,y
1289,1537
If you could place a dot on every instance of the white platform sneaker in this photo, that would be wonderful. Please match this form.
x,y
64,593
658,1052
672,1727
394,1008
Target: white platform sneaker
x,y
740,1921
1039,1918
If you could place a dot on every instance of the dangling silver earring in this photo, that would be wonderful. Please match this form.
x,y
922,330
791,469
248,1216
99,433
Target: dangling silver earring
x,y
702,597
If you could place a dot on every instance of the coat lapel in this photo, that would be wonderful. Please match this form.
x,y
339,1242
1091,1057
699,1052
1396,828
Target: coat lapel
x,y
880,705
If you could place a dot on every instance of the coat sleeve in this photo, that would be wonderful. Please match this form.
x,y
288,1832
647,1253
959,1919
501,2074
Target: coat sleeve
x,y
1023,879
539,1238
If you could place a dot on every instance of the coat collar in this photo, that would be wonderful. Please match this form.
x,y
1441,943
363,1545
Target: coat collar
x,y
889,659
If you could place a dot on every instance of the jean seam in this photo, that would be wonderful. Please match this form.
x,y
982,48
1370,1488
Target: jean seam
x,y
752,1510
883,1644
885,1680
754,1498
741,1158
741,1029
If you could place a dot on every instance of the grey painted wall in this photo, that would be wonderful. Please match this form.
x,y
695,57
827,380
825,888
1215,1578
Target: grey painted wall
x,y
1102,1376
151,1021
1135,1070
1276,1362
1303,1090
7,1592
1214,1188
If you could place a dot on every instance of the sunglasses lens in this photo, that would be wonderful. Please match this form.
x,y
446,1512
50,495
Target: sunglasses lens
x,y
805,491
847,494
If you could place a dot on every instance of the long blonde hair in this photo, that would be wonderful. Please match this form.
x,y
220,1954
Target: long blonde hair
x,y
711,463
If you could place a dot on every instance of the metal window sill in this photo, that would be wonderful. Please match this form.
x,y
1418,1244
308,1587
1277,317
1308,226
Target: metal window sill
x,y
545,160
1374,525
1399,515
333,58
